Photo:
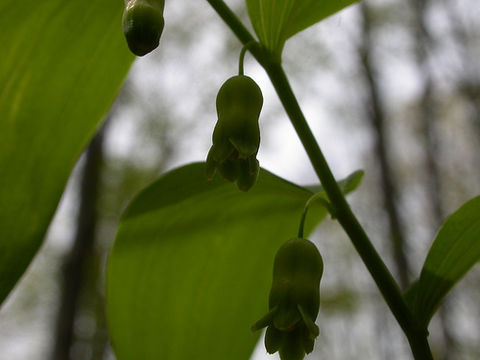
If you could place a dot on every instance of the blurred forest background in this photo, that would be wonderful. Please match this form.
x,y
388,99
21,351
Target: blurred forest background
x,y
388,86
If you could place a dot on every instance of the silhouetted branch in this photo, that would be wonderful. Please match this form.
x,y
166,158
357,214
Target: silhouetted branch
x,y
73,269
427,104
376,117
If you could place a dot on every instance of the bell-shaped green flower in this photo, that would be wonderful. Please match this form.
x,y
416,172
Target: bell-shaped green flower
x,y
143,25
236,137
294,300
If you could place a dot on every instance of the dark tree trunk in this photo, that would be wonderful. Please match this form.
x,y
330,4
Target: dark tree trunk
x,y
376,117
430,139
468,84
73,269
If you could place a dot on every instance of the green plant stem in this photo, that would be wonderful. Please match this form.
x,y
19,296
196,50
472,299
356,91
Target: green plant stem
x,y
381,275
241,58
316,197
343,213
416,335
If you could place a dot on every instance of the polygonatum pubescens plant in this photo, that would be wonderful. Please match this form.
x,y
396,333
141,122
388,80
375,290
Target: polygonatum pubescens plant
x,y
91,54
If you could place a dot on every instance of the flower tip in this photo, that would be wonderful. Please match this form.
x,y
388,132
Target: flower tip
x,y
260,324
210,171
313,330
245,146
242,187
257,326
266,320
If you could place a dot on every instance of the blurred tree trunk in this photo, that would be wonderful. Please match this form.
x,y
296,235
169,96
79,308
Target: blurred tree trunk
x,y
74,267
426,114
430,138
468,83
376,116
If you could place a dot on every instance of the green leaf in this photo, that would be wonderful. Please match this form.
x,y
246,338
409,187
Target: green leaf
x,y
191,266
454,251
62,64
352,181
347,185
275,21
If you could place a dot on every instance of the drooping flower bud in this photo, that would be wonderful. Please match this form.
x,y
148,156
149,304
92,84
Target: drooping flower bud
x,y
143,25
236,137
294,300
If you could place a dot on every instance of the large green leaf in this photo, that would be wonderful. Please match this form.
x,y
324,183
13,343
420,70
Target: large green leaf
x,y
454,251
191,266
62,64
275,21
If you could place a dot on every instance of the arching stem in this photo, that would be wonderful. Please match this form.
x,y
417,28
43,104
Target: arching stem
x,y
320,197
242,56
